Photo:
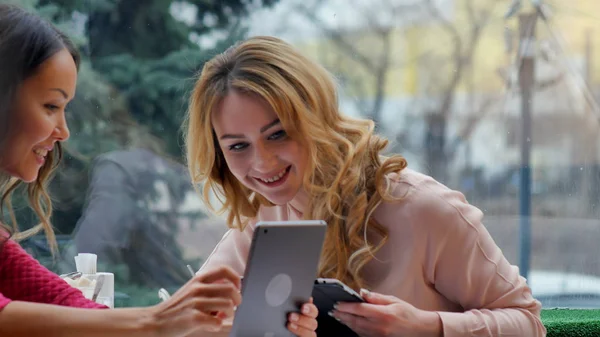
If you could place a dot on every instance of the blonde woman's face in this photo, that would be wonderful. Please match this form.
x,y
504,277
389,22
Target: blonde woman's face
x,y
257,149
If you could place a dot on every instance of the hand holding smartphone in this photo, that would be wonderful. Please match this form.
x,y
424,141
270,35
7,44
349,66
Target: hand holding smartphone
x,y
326,293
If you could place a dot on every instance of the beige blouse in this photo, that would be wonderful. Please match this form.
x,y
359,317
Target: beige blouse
x,y
439,257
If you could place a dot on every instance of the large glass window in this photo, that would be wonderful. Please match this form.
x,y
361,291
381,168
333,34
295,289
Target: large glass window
x,y
496,101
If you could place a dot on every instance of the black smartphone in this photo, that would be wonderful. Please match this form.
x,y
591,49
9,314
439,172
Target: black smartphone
x,y
326,293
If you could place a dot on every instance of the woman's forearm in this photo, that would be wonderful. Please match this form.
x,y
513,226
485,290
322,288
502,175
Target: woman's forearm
x,y
20,319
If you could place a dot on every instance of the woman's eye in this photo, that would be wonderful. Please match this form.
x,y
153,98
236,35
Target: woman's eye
x,y
237,146
52,107
278,135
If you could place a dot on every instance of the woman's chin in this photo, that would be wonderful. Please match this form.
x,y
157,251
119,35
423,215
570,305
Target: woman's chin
x,y
280,196
26,177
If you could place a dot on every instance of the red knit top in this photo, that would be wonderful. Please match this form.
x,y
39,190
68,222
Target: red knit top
x,y
22,278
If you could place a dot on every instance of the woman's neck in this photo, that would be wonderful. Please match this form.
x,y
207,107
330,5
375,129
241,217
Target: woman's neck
x,y
300,201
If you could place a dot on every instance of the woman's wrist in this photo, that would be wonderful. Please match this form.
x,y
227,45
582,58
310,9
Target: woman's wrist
x,y
134,322
146,321
431,324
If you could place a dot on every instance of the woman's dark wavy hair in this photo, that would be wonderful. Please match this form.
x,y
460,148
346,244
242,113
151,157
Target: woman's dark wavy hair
x,y
26,41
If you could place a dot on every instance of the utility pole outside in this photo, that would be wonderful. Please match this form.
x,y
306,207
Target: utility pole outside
x,y
527,42
588,186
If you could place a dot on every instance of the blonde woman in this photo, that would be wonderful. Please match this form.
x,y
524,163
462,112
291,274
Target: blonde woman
x,y
265,133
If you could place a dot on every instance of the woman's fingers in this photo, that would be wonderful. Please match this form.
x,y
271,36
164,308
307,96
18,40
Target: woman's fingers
x,y
309,309
209,306
220,290
207,322
305,322
217,274
301,331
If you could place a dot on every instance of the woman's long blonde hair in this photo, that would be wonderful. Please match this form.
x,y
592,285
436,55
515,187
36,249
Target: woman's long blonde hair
x,y
346,176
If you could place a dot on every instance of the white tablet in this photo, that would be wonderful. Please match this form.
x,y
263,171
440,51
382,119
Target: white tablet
x,y
279,277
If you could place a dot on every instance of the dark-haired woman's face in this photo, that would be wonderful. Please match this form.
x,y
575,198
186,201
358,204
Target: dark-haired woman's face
x,y
38,116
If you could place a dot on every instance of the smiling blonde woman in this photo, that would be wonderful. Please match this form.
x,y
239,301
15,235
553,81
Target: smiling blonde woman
x,y
264,132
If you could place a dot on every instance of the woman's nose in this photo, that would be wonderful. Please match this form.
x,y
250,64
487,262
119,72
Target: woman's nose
x,y
264,159
61,132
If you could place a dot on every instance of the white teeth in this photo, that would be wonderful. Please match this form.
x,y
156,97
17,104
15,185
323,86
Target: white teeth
x,y
275,178
41,152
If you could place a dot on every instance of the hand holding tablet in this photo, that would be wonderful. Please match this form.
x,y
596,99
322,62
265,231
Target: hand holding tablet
x,y
279,277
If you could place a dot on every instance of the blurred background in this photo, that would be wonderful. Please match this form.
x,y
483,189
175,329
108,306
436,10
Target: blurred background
x,y
495,98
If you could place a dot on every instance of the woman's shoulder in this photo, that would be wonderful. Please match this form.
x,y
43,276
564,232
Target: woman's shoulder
x,y
12,254
6,241
407,179
421,200
409,186
4,232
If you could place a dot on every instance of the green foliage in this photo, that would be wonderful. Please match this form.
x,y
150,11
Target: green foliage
x,y
142,51
138,66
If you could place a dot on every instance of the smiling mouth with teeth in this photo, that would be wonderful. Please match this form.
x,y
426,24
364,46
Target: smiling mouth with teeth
x,y
41,152
275,178
40,155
